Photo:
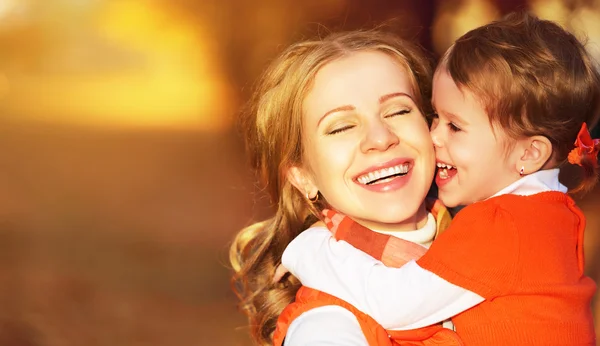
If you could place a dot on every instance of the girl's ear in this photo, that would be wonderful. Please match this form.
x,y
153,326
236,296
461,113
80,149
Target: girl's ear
x,y
534,152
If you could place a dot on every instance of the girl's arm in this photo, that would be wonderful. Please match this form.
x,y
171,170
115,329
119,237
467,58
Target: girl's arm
x,y
479,251
398,298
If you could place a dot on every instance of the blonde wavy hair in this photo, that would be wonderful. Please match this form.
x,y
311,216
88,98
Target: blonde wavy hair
x,y
273,133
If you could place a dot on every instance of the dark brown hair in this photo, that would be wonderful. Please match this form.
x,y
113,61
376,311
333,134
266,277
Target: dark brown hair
x,y
534,78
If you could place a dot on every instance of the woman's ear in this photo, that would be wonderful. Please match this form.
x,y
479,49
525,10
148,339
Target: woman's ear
x,y
534,152
302,180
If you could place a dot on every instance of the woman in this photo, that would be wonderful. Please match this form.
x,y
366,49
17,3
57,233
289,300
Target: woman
x,y
337,123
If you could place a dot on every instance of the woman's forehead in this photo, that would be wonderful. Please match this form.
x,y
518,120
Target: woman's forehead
x,y
361,76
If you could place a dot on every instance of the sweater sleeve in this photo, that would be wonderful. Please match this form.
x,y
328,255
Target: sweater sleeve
x,y
400,298
479,251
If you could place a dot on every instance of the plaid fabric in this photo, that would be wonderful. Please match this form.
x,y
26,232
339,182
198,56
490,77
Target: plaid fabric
x,y
392,251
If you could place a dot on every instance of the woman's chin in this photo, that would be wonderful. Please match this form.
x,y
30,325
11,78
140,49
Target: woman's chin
x,y
394,220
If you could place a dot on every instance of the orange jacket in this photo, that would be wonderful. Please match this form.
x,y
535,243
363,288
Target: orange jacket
x,y
524,255
308,298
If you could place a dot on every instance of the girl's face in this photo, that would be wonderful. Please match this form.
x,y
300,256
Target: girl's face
x,y
367,148
473,159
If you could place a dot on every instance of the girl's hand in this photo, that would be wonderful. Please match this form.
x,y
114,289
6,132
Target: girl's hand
x,y
280,271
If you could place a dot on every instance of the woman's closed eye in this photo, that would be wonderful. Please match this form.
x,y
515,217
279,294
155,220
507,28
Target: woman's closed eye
x,y
340,129
344,128
396,113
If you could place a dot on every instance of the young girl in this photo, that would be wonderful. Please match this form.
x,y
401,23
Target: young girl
x,y
512,98
327,115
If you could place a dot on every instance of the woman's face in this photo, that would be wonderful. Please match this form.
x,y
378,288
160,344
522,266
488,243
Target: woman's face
x,y
367,148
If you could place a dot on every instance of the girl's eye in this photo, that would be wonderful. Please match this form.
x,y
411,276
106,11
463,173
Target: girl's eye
x,y
434,118
340,130
453,127
402,112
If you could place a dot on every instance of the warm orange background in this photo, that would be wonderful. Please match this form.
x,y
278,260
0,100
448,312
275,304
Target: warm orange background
x,y
122,179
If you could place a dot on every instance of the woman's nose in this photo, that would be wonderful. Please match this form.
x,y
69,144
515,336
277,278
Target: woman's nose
x,y
379,137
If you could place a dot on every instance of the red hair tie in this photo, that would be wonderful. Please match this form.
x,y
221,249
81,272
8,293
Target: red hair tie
x,y
585,146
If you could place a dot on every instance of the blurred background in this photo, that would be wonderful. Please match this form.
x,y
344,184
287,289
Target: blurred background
x,y
122,177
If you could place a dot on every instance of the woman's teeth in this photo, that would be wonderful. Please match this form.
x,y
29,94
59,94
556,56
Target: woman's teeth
x,y
443,169
383,174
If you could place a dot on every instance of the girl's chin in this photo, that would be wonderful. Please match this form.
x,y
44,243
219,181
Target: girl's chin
x,y
449,201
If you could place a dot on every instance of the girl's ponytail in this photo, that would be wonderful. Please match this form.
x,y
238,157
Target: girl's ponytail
x,y
585,155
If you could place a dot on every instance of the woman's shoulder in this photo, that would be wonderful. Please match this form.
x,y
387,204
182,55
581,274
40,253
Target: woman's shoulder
x,y
325,325
318,224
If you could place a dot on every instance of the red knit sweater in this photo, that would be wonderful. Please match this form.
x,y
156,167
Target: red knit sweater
x,y
524,255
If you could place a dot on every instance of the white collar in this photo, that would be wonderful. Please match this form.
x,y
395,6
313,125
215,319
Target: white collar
x,y
423,236
540,181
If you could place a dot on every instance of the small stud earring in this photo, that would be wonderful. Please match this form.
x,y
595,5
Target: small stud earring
x,y
522,170
314,199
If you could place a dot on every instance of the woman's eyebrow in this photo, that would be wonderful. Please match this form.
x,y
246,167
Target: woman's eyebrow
x,y
384,98
335,110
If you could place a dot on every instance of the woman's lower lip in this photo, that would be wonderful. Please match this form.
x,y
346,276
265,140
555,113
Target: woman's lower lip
x,y
393,184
